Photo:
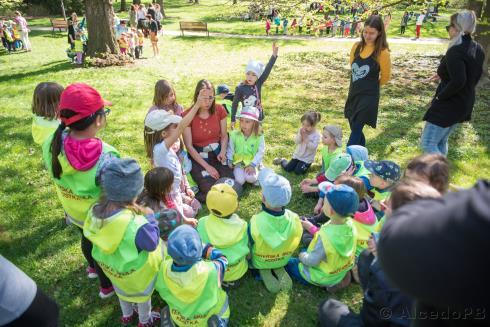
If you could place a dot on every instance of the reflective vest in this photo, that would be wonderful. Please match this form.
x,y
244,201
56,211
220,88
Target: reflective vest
x,y
380,196
245,149
327,156
226,103
193,296
380,224
231,238
133,274
363,233
333,270
275,238
78,46
43,128
77,190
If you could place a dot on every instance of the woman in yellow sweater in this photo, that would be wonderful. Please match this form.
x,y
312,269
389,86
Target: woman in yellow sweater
x,y
371,68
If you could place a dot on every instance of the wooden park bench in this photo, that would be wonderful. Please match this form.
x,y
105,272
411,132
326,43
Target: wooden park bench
x,y
58,23
194,26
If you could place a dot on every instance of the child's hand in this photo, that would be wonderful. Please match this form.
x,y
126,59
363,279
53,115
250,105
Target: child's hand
x,y
275,49
433,78
249,170
306,225
190,193
222,157
213,172
318,208
306,181
190,221
308,189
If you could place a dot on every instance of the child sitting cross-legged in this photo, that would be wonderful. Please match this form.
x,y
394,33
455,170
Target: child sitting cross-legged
x,y
226,231
191,284
275,232
332,253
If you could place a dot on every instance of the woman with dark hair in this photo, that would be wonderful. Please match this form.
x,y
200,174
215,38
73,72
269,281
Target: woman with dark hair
x,y
206,140
371,67
458,73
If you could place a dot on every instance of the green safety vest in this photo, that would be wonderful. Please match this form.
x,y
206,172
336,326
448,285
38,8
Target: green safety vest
x,y
275,239
333,270
43,128
380,224
380,196
78,46
363,234
193,296
327,156
77,190
133,274
245,148
226,103
231,238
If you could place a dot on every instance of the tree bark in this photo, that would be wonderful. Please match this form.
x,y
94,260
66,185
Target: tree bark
x,y
100,24
482,36
123,5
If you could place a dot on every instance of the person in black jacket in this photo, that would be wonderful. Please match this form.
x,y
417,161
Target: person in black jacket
x,y
436,251
459,72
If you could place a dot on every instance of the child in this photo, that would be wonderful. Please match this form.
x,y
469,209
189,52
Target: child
x,y
267,26
300,24
246,147
165,98
78,49
226,231
285,22
8,41
332,253
248,93
191,284
156,196
123,43
141,41
131,43
275,232
44,104
225,97
432,169
384,175
294,25
126,243
76,159
347,27
162,131
277,22
309,24
332,142
306,140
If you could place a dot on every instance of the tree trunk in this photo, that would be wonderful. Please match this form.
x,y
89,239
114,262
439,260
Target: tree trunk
x,y
483,36
100,24
123,5
136,2
235,2
162,9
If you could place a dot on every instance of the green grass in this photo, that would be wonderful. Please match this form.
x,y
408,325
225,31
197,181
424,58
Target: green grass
x,y
222,16
308,75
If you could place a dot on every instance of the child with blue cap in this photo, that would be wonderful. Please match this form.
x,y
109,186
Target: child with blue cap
x,y
275,232
224,97
190,284
384,175
332,253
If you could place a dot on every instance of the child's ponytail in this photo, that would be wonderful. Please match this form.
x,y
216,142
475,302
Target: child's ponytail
x,y
55,151
312,117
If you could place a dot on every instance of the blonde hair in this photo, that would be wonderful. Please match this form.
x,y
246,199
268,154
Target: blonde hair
x,y
465,23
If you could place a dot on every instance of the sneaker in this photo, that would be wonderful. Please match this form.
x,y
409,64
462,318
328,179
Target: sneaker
x,y
277,161
270,282
285,281
91,273
154,319
106,292
126,321
343,284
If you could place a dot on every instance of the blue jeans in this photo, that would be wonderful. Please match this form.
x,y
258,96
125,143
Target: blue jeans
x,y
292,268
434,138
356,135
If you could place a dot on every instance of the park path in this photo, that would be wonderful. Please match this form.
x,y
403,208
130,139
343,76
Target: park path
x,y
397,40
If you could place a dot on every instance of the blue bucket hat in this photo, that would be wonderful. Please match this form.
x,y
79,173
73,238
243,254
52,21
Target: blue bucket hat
x,y
275,188
122,180
184,245
222,88
387,170
358,152
343,199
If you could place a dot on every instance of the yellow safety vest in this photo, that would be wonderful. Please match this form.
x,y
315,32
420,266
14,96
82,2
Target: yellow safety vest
x,y
245,148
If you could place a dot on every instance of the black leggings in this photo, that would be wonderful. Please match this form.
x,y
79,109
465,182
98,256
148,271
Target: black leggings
x,y
43,312
299,167
87,253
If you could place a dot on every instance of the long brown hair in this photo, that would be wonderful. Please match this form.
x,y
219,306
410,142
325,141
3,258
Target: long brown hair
x,y
163,89
431,166
312,117
46,99
204,84
410,190
158,184
375,21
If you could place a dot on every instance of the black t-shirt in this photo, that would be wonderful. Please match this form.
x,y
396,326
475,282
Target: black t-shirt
x,y
153,26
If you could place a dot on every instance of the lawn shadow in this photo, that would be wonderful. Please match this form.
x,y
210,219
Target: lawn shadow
x,y
481,118
49,68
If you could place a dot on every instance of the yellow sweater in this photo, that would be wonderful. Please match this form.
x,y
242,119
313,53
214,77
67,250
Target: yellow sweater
x,y
383,60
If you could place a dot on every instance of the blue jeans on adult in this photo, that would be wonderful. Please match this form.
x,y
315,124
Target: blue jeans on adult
x,y
356,135
434,138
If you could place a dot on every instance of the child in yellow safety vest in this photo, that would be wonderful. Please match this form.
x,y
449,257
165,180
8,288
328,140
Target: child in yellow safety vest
x,y
127,244
384,176
191,284
332,253
226,231
246,147
275,232
44,104
76,159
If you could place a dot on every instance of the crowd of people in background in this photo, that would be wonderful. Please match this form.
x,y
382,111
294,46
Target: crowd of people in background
x,y
15,34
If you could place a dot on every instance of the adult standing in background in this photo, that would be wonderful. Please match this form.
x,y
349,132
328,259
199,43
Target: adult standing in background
x,y
158,16
133,18
458,73
24,30
370,68
141,15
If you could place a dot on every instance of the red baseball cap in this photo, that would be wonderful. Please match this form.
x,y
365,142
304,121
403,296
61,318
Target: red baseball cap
x,y
82,99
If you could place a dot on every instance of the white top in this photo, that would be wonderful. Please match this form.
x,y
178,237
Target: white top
x,y
305,151
141,14
163,157
420,19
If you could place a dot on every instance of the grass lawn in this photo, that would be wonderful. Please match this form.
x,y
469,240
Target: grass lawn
x,y
308,75
222,16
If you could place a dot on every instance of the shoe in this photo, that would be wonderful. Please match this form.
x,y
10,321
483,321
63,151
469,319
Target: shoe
x,y
154,319
105,293
126,321
343,284
166,320
270,282
285,281
277,161
91,273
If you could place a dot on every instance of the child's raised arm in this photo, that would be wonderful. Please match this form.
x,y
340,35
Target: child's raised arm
x,y
270,64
